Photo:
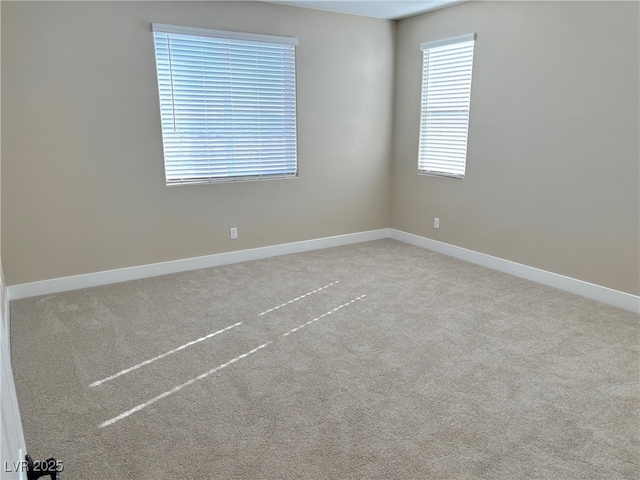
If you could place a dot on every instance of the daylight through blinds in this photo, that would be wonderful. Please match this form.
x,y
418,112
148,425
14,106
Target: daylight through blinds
x,y
228,105
446,94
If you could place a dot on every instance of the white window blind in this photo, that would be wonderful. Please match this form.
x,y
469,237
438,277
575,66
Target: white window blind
x,y
446,95
227,104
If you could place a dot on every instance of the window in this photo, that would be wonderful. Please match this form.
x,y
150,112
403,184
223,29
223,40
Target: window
x,y
227,104
446,94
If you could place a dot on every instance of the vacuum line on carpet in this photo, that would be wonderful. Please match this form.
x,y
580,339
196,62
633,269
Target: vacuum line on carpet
x,y
180,387
298,298
323,315
162,355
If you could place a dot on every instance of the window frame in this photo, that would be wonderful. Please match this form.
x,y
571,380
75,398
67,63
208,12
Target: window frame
x,y
446,157
252,134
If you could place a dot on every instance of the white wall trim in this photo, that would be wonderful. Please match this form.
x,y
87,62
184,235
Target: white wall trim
x,y
4,305
12,443
572,285
6,312
76,282
568,284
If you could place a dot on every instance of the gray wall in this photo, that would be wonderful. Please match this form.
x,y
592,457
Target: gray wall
x,y
11,435
83,180
553,174
553,168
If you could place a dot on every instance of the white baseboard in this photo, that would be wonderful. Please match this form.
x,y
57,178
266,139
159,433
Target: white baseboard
x,y
5,298
573,285
579,287
11,432
6,312
76,282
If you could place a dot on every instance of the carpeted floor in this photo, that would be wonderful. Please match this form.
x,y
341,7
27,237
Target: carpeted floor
x,y
410,365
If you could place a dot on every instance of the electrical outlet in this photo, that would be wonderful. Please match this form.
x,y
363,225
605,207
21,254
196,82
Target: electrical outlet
x,y
436,222
233,232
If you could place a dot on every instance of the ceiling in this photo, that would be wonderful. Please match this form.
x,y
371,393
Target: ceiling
x,y
387,9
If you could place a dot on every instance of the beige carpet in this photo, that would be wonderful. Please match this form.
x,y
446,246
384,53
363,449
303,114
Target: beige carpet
x,y
397,363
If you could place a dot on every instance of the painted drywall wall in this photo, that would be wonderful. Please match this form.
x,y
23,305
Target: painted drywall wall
x,y
553,163
12,444
552,177
83,176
